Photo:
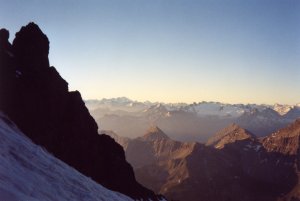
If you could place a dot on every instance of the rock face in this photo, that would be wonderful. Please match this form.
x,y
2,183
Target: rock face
x,y
37,99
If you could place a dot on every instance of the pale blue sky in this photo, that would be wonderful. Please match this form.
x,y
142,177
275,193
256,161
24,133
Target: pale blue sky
x,y
245,51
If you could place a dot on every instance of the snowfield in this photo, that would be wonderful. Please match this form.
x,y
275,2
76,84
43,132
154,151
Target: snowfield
x,y
29,173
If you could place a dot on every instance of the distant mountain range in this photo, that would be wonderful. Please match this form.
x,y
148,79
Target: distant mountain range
x,y
233,165
188,122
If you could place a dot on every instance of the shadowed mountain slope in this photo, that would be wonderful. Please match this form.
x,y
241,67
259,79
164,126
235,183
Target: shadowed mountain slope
x,y
28,172
234,165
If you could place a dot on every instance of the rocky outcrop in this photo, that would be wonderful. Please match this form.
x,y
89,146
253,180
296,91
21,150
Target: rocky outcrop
x,y
31,47
37,99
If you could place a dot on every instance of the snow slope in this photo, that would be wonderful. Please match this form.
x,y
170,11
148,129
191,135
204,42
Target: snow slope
x,y
30,173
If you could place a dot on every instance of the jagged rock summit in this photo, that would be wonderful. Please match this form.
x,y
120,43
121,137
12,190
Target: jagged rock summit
x,y
31,47
37,99
4,43
228,135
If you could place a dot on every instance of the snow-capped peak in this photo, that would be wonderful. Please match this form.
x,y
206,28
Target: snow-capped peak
x,y
282,109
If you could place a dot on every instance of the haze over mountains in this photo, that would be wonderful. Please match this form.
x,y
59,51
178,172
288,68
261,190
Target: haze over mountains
x,y
188,122
233,165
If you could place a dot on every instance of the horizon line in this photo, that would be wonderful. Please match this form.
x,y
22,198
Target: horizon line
x,y
189,103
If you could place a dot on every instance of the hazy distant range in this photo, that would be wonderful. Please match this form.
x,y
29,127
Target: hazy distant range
x,y
188,122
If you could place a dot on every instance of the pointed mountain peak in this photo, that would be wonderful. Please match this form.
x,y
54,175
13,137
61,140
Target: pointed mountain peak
x,y
230,134
154,133
154,129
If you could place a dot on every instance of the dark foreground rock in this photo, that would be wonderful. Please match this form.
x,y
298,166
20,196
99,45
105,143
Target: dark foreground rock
x,y
37,99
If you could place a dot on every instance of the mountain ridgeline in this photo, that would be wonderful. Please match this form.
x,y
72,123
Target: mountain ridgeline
x,y
36,98
189,122
233,165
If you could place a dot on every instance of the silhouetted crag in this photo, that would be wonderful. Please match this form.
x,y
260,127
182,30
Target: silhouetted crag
x,y
37,99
